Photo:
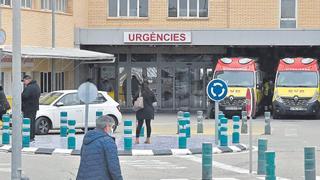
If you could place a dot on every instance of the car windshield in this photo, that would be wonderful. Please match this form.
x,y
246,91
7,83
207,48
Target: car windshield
x,y
297,79
49,98
236,78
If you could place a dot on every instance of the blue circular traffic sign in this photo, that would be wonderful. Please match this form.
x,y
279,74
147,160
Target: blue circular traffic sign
x,y
217,90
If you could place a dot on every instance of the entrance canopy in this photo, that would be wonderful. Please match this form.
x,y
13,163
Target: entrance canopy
x,y
60,53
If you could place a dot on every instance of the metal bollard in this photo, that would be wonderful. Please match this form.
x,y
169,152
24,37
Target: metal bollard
x,y
262,148
236,130
267,127
206,161
244,126
199,121
26,132
180,117
182,134
224,132
71,134
63,124
6,129
270,165
220,116
127,135
186,116
310,163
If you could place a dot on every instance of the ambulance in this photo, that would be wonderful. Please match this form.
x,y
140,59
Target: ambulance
x,y
240,74
296,87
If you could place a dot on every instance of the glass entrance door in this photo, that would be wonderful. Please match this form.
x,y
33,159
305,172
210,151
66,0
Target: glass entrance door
x,y
190,88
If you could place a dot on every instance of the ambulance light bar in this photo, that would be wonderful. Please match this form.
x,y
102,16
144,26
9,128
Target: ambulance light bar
x,y
245,60
288,60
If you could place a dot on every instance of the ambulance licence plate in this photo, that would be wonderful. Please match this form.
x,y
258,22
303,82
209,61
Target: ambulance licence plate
x,y
298,109
232,108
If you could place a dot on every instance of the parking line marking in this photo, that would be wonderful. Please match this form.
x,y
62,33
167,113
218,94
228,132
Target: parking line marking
x,y
180,151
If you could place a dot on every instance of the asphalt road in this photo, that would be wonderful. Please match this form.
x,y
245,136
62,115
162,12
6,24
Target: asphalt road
x,y
288,139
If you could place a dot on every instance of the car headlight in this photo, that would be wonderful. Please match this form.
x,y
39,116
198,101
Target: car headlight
x,y
277,97
314,97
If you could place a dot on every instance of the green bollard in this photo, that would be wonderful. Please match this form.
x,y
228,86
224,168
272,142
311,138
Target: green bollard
x,y
262,148
63,124
26,132
244,125
182,134
270,165
71,134
206,161
199,122
6,129
236,132
267,127
224,132
220,116
127,135
310,163
186,116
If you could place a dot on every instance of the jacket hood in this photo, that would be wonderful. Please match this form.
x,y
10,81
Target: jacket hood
x,y
93,135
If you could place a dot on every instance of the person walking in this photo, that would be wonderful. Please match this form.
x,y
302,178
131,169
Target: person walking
x,y
30,102
4,104
146,113
99,154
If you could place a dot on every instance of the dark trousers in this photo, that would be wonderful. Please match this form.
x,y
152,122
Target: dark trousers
x,y
32,116
148,124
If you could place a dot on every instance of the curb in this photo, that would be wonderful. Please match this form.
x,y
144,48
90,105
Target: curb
x,y
134,152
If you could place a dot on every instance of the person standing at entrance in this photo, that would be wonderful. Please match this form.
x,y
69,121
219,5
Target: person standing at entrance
x,y
4,104
30,102
146,113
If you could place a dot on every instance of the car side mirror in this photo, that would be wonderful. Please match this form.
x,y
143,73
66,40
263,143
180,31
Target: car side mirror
x,y
59,104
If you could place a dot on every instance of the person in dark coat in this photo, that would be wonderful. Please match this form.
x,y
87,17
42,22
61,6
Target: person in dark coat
x,y
147,113
99,154
4,104
135,87
30,102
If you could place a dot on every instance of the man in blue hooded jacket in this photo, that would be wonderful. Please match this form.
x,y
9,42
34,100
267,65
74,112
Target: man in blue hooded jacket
x,y
99,154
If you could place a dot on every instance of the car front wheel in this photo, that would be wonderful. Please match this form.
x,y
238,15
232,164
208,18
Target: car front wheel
x,y
42,126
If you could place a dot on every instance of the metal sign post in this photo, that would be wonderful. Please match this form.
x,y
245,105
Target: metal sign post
x,y
87,93
16,169
217,90
249,108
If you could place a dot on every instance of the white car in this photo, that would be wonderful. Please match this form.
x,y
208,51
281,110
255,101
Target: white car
x,y
48,116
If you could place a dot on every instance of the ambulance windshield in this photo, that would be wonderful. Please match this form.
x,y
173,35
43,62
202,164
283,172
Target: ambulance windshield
x,y
236,78
297,79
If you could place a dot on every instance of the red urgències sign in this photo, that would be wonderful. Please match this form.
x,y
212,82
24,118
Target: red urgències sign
x,y
157,37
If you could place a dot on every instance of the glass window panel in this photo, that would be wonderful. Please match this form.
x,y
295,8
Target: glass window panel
x,y
288,8
183,7
172,9
133,7
143,57
113,7
23,3
122,57
29,3
203,8
167,79
70,100
143,8
122,86
7,2
193,8
288,24
123,7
